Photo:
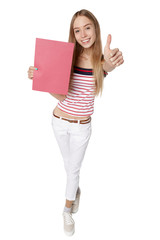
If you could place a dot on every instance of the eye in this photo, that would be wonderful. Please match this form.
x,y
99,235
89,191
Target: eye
x,y
76,31
88,28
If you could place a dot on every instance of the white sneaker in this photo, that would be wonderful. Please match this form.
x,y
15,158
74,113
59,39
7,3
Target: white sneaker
x,y
75,205
69,227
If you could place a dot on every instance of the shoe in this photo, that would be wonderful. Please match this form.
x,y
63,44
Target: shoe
x,y
69,225
75,205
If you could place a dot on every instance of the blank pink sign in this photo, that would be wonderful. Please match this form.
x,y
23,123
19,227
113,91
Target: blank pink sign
x,y
53,60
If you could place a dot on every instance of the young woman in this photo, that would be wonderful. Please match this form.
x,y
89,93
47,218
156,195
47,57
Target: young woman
x,y
71,118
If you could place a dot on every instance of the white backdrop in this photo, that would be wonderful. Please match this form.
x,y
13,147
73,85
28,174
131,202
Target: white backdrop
x,y
120,178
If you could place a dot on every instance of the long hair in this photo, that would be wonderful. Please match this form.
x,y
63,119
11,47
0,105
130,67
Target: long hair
x,y
97,56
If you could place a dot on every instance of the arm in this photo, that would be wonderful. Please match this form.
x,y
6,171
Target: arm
x,y
107,66
58,96
30,76
112,58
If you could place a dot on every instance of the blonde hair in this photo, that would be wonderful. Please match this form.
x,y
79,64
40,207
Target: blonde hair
x,y
97,56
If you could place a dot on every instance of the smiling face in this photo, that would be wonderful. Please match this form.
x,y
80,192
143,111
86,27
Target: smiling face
x,y
84,31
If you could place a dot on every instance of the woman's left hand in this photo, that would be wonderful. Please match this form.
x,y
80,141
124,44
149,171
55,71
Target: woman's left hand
x,y
113,57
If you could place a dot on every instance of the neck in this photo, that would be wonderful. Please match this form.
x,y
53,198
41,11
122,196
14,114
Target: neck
x,y
87,53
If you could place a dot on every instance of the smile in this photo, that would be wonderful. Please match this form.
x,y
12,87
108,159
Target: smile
x,y
85,41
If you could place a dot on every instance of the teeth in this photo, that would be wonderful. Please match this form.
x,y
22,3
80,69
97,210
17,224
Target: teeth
x,y
86,40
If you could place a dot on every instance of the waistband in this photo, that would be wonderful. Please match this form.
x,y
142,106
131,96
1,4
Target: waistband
x,y
74,121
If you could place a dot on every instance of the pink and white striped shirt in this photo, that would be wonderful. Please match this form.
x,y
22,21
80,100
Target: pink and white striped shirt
x,y
80,98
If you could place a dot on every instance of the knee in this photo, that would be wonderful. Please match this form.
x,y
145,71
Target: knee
x,y
73,174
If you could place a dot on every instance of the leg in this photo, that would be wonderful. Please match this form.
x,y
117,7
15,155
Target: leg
x,y
62,137
79,138
68,203
72,140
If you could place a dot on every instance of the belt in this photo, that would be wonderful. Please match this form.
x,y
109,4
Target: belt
x,y
74,121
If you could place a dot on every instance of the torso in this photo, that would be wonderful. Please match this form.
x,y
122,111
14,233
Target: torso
x,y
79,63
60,113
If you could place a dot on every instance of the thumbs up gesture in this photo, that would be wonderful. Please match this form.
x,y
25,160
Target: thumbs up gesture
x,y
113,57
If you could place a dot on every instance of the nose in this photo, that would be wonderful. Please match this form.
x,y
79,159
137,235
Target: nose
x,y
83,33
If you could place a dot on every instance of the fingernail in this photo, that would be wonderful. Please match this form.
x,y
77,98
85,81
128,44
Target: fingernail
x,y
36,68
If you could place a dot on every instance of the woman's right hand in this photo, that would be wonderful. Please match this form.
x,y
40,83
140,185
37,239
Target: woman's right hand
x,y
31,71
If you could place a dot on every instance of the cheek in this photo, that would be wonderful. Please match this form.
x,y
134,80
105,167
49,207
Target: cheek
x,y
94,34
76,37
78,40
93,37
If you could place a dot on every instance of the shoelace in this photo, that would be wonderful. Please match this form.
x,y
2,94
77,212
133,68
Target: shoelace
x,y
68,218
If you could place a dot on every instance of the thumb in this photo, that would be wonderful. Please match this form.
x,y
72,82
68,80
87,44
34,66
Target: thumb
x,y
109,38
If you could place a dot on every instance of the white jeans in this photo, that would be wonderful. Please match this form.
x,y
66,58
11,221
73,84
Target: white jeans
x,y
72,139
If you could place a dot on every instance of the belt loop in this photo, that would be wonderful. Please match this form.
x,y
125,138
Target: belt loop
x,y
60,118
78,121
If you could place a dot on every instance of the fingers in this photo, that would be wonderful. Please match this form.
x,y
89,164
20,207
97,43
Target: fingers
x,y
109,38
116,56
31,72
32,68
113,52
120,62
117,59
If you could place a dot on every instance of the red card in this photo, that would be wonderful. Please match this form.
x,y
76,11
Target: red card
x,y
53,60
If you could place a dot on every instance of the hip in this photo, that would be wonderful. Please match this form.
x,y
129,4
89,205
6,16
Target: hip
x,y
60,113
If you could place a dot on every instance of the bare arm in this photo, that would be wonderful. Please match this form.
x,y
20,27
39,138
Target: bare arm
x,y
30,76
112,57
58,96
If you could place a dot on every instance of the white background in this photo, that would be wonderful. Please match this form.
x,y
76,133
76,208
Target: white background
x,y
120,178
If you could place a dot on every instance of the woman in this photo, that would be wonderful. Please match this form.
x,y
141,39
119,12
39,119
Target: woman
x,y
71,118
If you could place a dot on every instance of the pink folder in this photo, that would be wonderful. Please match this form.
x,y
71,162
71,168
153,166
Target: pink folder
x,y
53,60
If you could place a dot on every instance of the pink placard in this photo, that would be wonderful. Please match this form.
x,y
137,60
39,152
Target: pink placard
x,y
53,60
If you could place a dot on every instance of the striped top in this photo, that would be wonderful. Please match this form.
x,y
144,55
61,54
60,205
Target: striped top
x,y
80,98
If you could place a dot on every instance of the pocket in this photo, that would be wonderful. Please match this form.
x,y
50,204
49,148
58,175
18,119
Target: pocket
x,y
85,127
54,122
58,124
84,131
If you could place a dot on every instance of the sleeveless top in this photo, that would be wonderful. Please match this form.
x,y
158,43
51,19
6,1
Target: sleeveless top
x,y
81,94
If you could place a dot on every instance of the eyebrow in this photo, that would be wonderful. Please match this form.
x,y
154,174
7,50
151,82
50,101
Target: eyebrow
x,y
84,25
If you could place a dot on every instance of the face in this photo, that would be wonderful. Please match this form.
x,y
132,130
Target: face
x,y
84,31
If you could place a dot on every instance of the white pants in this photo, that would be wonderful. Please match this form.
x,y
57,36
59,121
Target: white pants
x,y
72,139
